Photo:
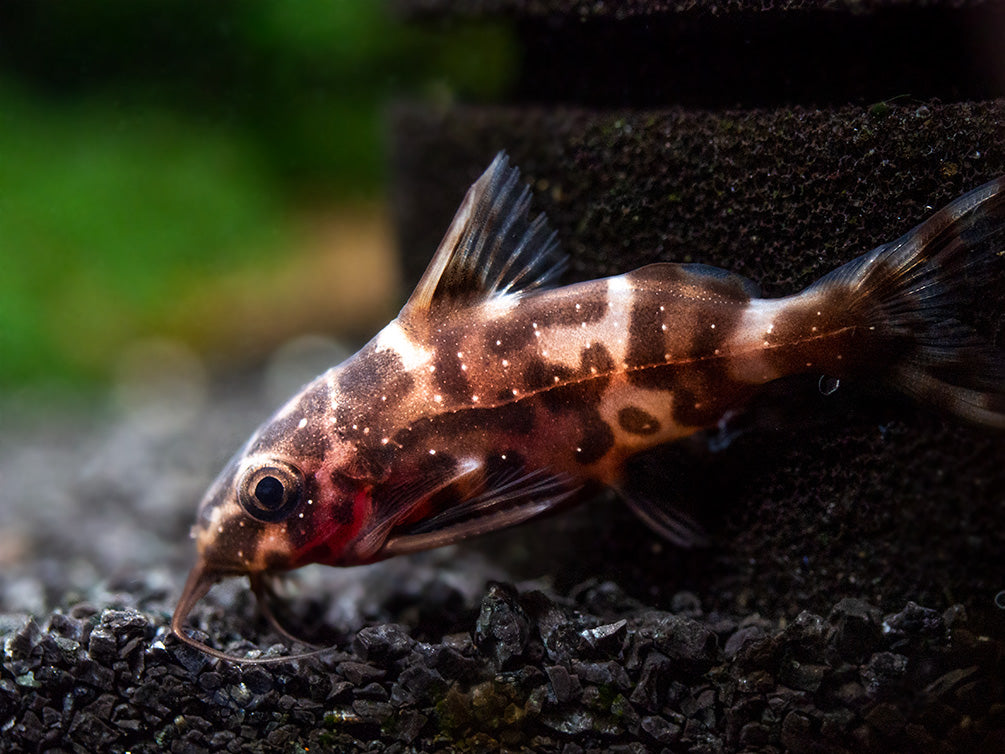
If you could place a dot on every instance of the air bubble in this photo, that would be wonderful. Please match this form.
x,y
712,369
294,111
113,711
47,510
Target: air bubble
x,y
828,385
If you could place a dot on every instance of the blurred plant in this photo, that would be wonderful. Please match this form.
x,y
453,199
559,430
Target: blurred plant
x,y
144,146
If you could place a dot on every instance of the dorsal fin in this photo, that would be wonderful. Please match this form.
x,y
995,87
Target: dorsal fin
x,y
491,248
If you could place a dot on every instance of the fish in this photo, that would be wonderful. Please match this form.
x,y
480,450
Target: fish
x,y
497,394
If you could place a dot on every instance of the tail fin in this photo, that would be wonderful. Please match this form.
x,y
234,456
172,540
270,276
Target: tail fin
x,y
911,294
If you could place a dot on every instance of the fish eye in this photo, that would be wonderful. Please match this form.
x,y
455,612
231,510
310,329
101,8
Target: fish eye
x,y
271,492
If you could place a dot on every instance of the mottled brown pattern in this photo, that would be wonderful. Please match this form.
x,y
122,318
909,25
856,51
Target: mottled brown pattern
x,y
371,381
313,440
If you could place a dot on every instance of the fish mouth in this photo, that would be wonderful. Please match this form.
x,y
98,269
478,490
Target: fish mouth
x,y
200,580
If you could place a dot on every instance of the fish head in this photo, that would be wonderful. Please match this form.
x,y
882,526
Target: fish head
x,y
293,495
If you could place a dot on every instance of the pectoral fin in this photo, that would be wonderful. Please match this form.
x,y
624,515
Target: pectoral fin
x,y
500,503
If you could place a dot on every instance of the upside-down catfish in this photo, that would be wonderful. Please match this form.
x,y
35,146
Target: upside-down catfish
x,y
495,396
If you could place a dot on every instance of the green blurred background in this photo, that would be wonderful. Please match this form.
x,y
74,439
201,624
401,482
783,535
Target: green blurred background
x,y
209,172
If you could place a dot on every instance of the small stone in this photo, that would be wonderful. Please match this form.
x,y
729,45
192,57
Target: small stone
x,y
384,641
372,690
210,680
604,673
914,623
408,726
258,680
609,637
884,672
359,673
660,729
886,719
67,626
740,638
98,676
797,732
502,628
564,685
420,681
753,734
803,676
649,691
373,711
690,645
857,631
21,642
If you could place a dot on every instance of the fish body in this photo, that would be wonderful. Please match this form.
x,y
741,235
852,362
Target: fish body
x,y
495,396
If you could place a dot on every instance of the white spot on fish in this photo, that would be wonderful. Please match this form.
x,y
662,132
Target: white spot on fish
x,y
302,423
437,398
432,452
393,338
474,399
505,362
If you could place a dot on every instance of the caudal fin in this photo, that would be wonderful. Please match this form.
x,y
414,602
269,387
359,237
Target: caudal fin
x,y
910,296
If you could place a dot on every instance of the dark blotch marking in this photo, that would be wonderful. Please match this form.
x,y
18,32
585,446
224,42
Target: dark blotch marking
x,y
341,509
449,376
540,376
646,344
637,421
713,282
514,418
511,418
508,335
591,309
597,439
362,381
310,442
372,373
